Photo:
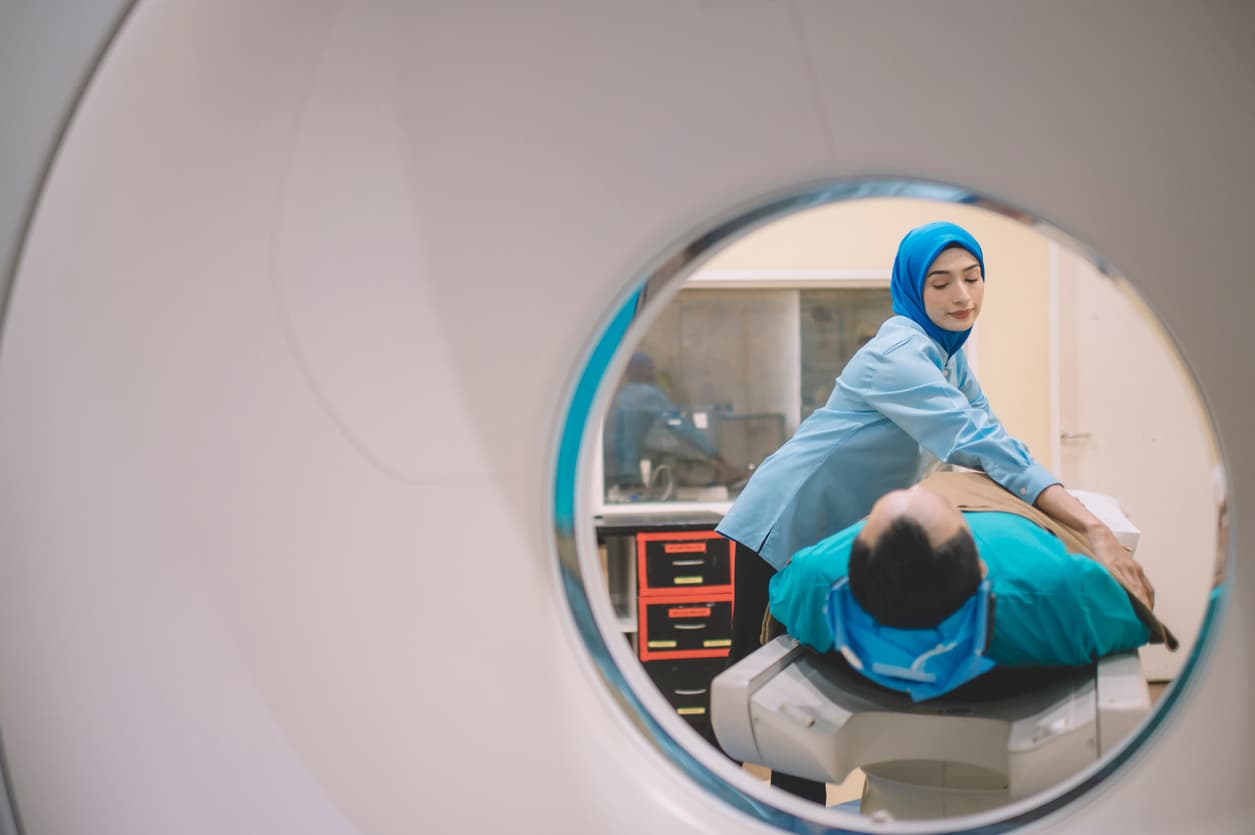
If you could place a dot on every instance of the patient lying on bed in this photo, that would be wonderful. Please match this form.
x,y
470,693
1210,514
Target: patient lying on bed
x,y
942,582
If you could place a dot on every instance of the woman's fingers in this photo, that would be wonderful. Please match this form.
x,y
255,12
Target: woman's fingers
x,y
1119,561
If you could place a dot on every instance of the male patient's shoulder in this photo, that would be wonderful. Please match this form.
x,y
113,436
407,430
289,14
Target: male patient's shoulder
x,y
827,560
1023,556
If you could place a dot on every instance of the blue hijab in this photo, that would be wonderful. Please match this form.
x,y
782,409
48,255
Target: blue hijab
x,y
918,250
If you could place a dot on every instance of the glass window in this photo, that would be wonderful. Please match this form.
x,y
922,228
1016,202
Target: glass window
x,y
721,379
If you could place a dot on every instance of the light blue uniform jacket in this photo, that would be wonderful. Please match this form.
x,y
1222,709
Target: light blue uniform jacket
x,y
898,399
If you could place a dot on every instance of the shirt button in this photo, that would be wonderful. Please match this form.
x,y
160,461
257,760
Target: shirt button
x,y
1023,491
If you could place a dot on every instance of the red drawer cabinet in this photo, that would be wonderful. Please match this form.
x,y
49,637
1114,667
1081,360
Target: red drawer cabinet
x,y
684,594
689,627
686,685
697,562
683,598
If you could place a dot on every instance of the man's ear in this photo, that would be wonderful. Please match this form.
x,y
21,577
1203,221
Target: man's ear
x,y
984,568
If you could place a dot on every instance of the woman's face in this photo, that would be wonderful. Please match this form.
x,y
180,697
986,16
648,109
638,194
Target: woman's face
x,y
953,290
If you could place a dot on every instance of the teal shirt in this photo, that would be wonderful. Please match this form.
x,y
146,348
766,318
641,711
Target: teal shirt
x,y
899,400
1051,608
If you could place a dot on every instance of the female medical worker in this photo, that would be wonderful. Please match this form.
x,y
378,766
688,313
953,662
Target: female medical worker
x,y
904,401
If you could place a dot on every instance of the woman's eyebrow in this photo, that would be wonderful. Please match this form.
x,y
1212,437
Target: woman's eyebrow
x,y
972,266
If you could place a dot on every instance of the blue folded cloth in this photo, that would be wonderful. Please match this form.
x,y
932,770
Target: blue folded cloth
x,y
924,663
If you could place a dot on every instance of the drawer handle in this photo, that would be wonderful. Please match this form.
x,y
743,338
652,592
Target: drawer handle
x,y
687,562
717,642
690,612
691,692
691,711
688,581
684,548
690,626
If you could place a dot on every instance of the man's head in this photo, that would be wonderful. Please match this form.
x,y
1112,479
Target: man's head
x,y
640,368
914,562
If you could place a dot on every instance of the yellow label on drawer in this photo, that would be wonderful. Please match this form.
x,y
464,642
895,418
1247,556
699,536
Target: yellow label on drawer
x,y
661,644
690,711
717,642
687,581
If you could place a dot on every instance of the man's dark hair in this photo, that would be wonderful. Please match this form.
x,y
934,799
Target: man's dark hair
x,y
906,583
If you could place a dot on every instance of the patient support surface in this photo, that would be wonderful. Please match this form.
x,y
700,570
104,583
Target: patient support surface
x,y
795,710
1004,736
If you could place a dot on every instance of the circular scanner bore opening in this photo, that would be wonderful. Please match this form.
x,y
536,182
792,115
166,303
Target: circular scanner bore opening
x,y
711,364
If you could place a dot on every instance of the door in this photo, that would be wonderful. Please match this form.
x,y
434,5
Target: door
x,y
1132,427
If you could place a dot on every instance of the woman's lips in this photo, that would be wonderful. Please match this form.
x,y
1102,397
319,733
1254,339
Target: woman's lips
x,y
962,314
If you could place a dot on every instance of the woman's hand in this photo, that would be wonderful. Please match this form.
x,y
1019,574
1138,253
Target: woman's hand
x,y
1062,506
1119,561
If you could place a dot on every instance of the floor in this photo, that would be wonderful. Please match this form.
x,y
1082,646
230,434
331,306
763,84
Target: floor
x,y
851,789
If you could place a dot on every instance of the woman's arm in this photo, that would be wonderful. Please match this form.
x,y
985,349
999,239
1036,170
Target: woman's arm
x,y
1062,506
906,385
1059,504
955,423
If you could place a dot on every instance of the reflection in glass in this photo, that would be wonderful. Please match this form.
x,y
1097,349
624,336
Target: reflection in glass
x,y
719,383
834,324
644,426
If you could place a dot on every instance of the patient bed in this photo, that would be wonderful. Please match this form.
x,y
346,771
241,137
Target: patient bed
x,y
1002,737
